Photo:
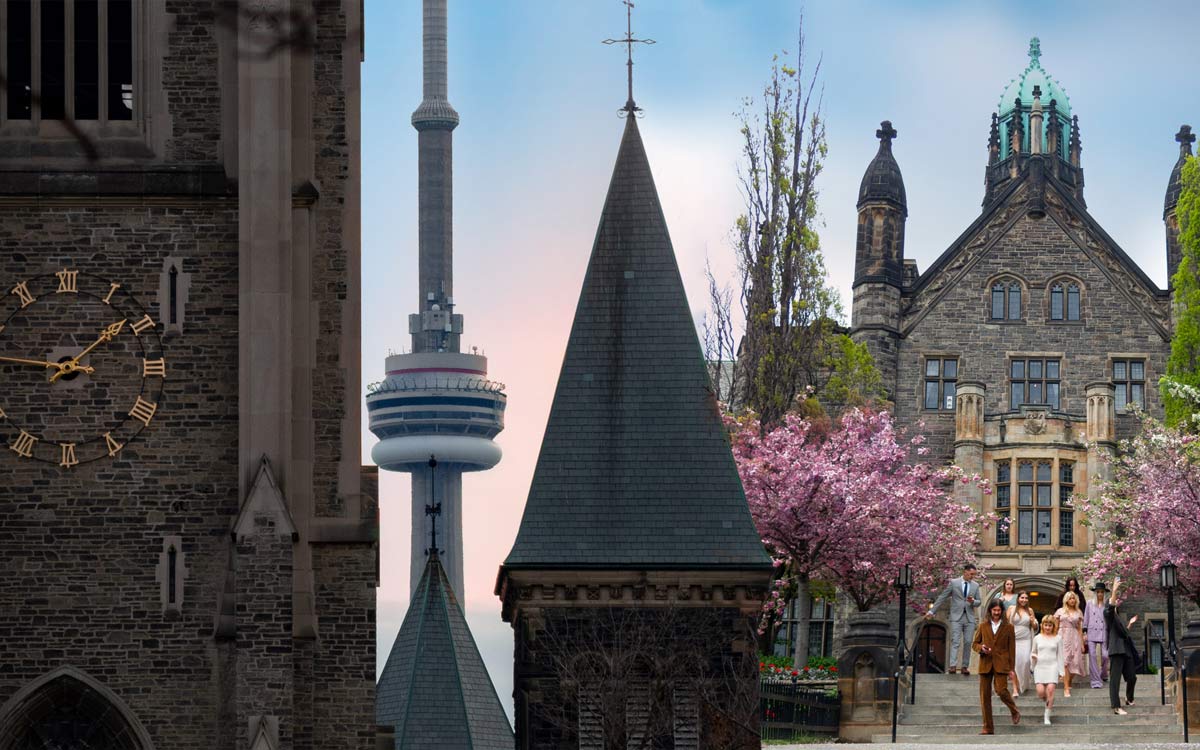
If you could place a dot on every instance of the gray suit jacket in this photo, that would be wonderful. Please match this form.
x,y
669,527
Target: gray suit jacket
x,y
959,608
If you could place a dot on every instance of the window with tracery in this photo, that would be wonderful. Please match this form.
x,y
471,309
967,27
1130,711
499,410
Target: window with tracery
x,y
1064,301
1006,300
68,714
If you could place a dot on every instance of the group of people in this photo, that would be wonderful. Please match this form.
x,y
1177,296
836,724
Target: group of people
x,y
1076,641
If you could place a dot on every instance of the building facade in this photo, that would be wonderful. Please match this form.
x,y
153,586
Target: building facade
x,y
1027,344
188,534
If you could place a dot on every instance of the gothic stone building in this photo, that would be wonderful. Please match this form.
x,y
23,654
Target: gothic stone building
x,y
1023,347
186,534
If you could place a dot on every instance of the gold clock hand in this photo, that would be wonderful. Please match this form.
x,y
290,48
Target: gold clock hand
x,y
43,363
108,334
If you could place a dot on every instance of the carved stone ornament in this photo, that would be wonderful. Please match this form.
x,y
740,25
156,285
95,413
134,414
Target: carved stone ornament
x,y
1035,423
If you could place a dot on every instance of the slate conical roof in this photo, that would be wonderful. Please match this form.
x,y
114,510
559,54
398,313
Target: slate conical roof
x,y
435,692
635,469
882,181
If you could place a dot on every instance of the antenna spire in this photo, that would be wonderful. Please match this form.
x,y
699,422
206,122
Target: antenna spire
x,y
630,107
433,509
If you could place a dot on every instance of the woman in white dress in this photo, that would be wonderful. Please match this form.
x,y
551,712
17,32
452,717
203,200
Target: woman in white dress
x,y
1024,623
1048,662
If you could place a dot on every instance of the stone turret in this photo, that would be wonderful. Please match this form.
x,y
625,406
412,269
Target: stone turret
x,y
1186,138
879,257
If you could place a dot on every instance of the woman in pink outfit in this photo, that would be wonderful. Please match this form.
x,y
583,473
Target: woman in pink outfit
x,y
1070,629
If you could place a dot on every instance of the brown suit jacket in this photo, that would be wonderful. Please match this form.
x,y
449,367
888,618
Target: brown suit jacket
x,y
1003,644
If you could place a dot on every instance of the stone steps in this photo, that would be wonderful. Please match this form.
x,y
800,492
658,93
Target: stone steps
x,y
947,712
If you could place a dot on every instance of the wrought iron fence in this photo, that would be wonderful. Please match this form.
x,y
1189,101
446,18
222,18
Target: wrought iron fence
x,y
791,709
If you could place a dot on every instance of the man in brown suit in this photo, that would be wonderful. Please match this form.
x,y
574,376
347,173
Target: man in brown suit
x,y
996,643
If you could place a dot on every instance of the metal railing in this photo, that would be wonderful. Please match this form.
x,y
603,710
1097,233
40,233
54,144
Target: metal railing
x,y
790,709
906,656
1180,676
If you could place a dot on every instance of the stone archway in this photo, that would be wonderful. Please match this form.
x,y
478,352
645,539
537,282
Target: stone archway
x,y
1043,591
68,710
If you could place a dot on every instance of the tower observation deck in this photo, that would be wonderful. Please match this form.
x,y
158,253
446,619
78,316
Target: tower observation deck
x,y
436,401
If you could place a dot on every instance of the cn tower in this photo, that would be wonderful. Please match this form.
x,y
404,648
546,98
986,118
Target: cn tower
x,y
436,402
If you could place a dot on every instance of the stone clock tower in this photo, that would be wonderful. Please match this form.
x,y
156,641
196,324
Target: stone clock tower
x,y
187,537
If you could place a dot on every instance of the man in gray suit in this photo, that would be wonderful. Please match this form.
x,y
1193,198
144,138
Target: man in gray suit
x,y
963,594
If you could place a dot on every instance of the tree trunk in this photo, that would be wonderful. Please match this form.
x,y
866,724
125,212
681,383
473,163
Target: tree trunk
x,y
803,614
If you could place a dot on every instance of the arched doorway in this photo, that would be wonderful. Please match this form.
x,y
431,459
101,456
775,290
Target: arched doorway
x,y
931,648
1043,592
67,710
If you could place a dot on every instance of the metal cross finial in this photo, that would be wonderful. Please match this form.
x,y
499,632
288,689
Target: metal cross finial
x,y
630,108
1035,51
433,510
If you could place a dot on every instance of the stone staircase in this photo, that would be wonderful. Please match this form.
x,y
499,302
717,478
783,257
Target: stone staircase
x,y
947,711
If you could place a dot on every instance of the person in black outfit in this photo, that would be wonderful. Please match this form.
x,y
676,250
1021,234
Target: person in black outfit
x,y
1121,653
1072,584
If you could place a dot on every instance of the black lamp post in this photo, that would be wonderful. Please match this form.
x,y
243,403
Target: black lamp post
x,y
1169,578
903,583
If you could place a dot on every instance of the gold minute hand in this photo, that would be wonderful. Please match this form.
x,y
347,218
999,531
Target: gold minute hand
x,y
108,334
43,363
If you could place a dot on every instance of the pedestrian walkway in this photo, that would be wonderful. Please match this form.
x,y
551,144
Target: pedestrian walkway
x,y
947,712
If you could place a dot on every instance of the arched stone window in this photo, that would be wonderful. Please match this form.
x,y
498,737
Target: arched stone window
x,y
1065,300
1005,300
66,709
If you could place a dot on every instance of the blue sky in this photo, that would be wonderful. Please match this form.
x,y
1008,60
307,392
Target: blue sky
x,y
538,94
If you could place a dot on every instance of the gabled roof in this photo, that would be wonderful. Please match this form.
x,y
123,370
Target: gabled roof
x,y
1012,192
635,469
435,691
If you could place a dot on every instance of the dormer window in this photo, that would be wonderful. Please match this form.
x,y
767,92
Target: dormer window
x,y
1064,301
1006,300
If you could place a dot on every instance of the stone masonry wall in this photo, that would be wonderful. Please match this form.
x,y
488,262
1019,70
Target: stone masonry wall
x,y
80,547
1036,252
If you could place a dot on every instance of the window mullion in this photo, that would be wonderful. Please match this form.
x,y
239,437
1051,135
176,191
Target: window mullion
x,y
68,55
102,52
35,78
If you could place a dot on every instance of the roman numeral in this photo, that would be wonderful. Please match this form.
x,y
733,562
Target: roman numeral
x,y
143,411
68,455
145,324
23,445
68,281
22,291
154,367
113,445
111,291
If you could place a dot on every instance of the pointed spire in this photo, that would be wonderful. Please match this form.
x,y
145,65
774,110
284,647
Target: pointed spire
x,y
619,484
1076,144
1035,122
1185,138
433,509
883,181
994,140
435,691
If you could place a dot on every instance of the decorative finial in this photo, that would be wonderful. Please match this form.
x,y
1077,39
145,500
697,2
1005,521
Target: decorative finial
x,y
1185,137
630,108
1035,52
433,509
886,132
1037,92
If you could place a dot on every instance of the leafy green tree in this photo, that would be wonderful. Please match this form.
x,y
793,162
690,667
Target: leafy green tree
x,y
789,307
1184,364
853,381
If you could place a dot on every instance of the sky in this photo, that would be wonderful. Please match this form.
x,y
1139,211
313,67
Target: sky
x,y
538,96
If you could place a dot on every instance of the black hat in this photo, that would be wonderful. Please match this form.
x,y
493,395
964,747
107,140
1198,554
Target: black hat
x,y
1099,586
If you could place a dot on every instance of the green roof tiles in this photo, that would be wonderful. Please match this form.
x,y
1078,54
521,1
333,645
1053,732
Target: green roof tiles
x,y
435,691
635,469
1034,75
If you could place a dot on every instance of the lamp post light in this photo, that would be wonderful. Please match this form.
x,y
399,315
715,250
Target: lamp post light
x,y
903,583
1168,575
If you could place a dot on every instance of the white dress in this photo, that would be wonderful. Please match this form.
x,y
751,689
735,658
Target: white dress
x,y
1021,666
1049,658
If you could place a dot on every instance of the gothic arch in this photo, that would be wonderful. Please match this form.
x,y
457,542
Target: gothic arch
x,y
58,708
1045,586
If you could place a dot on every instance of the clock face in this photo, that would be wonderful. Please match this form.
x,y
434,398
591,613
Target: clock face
x,y
81,368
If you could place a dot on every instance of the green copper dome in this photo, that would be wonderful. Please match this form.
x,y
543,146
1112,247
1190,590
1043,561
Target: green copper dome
x,y
1034,75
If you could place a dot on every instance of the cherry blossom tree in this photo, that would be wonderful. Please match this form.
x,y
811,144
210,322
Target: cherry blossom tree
x,y
1148,513
851,507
